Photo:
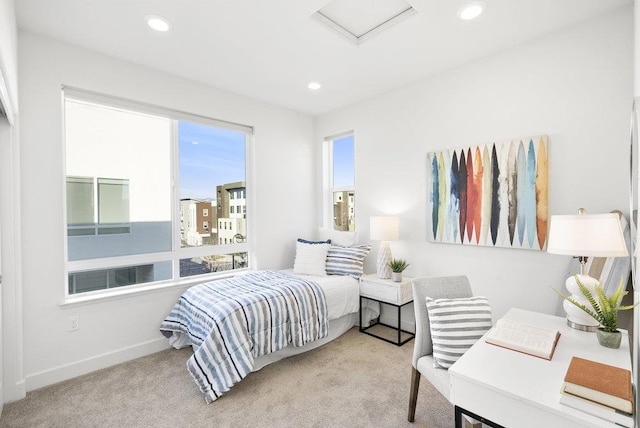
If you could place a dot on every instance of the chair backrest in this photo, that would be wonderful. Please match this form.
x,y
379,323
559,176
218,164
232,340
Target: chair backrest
x,y
443,287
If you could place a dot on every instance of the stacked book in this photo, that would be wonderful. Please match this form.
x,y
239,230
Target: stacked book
x,y
599,389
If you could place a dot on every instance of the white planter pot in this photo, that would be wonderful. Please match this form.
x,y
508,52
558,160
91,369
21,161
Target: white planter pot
x,y
396,276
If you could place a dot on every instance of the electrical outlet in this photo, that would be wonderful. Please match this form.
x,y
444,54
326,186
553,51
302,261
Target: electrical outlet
x,y
74,323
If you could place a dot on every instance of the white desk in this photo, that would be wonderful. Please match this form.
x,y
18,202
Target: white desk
x,y
518,390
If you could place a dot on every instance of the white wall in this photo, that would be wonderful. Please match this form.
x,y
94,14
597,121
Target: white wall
x,y
8,55
120,329
11,365
575,86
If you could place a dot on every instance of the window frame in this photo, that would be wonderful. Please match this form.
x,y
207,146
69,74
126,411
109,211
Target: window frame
x,y
329,189
177,252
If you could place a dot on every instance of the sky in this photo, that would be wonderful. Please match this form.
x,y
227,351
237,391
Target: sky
x,y
209,157
212,156
343,162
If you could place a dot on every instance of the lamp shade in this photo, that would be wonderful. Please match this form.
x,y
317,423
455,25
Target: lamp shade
x,y
383,228
588,235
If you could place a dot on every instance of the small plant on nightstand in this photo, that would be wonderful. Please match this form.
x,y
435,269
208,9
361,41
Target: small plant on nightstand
x,y
397,266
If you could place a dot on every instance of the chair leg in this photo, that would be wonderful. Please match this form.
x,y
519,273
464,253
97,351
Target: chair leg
x,y
413,394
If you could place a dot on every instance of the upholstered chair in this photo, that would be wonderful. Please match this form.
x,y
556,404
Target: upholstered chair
x,y
449,287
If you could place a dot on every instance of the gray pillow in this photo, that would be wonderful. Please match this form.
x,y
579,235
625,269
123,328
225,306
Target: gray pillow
x,y
456,324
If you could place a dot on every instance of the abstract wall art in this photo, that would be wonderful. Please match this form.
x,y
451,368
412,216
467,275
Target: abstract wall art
x,y
492,195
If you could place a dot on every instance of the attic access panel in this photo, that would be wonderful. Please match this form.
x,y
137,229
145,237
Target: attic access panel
x,y
358,20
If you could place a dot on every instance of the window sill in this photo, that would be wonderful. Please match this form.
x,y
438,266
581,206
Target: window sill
x,y
135,291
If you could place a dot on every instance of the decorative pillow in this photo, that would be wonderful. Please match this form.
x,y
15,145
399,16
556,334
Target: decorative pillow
x,y
337,237
347,260
456,324
311,257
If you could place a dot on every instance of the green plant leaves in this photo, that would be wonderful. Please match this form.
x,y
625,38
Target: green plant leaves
x,y
398,265
605,308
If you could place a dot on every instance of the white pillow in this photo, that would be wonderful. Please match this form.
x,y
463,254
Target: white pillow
x,y
456,324
337,237
311,258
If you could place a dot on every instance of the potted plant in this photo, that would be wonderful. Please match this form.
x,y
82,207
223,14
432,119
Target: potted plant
x,y
397,266
604,309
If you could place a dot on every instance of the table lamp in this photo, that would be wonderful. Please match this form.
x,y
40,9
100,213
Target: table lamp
x,y
585,235
384,229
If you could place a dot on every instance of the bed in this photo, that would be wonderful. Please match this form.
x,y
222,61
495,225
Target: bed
x,y
342,296
224,320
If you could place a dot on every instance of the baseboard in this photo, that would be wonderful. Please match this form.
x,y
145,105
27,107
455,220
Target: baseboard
x,y
88,365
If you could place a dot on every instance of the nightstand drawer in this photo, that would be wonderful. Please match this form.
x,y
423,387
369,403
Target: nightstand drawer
x,y
386,290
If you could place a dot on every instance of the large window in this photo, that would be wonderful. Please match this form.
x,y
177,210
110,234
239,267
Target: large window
x,y
341,174
145,191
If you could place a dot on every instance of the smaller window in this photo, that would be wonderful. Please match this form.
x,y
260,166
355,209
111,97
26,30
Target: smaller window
x,y
231,209
205,212
205,225
340,170
213,263
84,281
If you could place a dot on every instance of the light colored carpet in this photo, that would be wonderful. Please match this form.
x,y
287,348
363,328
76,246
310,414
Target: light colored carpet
x,y
354,381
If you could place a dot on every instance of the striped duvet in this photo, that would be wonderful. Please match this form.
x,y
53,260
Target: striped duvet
x,y
230,321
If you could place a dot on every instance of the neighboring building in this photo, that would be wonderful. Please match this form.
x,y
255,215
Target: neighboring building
x,y
343,211
231,203
197,225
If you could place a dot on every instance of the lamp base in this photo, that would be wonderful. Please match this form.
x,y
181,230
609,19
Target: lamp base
x,y
384,258
576,317
589,328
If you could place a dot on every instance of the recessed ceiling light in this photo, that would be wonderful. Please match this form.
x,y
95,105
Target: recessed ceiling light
x,y
314,86
472,10
158,23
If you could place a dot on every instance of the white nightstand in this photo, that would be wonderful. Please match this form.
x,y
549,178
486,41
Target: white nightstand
x,y
385,291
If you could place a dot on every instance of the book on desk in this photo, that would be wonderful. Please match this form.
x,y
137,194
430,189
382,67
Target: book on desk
x,y
526,338
595,409
602,383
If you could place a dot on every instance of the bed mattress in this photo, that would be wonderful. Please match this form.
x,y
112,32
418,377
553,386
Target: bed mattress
x,y
341,292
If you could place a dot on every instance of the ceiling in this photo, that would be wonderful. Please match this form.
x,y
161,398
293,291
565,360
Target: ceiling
x,y
271,49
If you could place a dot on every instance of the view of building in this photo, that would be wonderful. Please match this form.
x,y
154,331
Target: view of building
x,y
218,222
343,211
197,222
231,205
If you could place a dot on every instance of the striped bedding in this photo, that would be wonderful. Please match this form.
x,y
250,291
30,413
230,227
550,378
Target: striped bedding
x,y
230,321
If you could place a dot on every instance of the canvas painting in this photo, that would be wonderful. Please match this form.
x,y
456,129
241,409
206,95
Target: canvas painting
x,y
492,195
